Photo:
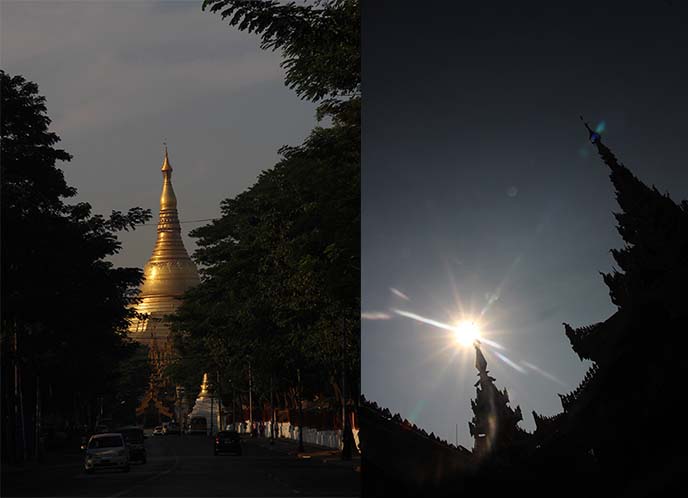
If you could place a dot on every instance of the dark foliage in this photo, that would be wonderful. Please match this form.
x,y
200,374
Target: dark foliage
x,y
320,43
64,306
281,266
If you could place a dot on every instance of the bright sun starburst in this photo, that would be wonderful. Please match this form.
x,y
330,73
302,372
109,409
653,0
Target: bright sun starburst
x,y
463,334
466,332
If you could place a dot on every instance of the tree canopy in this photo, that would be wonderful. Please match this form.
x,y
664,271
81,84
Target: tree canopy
x,y
320,42
281,266
63,303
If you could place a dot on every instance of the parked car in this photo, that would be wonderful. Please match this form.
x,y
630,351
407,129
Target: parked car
x,y
106,450
158,431
134,439
228,442
198,425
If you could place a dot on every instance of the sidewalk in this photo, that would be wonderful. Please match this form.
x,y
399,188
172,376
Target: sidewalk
x,y
326,455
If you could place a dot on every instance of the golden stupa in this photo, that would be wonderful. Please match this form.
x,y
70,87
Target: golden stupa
x,y
168,273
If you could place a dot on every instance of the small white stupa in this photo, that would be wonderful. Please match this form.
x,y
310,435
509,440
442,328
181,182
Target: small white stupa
x,y
208,407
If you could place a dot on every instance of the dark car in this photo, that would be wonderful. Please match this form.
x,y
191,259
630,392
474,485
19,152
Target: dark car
x,y
172,429
227,442
133,436
198,425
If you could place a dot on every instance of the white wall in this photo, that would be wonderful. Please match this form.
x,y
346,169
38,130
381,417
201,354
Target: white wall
x,y
329,439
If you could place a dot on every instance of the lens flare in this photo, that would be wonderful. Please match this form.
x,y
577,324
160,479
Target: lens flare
x,y
400,294
375,315
512,364
422,319
466,333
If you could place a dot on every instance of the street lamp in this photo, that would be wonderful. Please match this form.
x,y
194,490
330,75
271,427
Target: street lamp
x,y
180,391
301,448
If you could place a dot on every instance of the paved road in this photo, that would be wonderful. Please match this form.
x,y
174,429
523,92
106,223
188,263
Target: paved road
x,y
185,466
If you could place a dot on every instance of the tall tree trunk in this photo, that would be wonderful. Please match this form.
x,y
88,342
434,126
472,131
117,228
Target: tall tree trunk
x,y
38,419
219,403
22,425
233,406
347,435
250,399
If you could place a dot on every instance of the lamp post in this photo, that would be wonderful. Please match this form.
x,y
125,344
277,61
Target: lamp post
x,y
178,402
234,427
250,400
272,415
212,400
301,449
347,436
180,391
219,402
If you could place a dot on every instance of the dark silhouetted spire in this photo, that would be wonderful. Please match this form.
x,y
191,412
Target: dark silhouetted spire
x,y
494,425
654,228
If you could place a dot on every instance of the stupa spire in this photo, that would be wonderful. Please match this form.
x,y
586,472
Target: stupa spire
x,y
494,425
204,387
650,224
169,271
168,274
166,162
169,245
168,200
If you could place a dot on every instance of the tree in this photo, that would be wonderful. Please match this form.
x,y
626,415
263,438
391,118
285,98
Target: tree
x,y
320,43
132,375
281,267
65,309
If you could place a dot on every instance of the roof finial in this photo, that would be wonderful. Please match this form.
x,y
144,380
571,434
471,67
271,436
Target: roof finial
x,y
166,163
594,136
480,361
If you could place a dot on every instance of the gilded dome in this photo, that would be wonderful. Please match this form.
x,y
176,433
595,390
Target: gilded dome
x,y
170,271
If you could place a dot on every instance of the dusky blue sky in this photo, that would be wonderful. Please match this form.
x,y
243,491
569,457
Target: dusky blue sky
x,y
480,190
121,76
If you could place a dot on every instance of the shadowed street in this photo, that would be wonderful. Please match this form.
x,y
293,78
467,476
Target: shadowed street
x,y
185,466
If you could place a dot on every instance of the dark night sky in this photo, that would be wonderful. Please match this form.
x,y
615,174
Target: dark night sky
x,y
479,184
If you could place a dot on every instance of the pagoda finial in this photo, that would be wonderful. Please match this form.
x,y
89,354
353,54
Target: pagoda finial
x,y
594,136
480,361
167,200
495,424
166,162
204,387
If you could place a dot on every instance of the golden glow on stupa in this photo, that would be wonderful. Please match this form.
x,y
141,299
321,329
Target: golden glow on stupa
x,y
204,387
168,273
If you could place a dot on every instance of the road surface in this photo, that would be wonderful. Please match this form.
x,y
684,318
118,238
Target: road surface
x,y
186,466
